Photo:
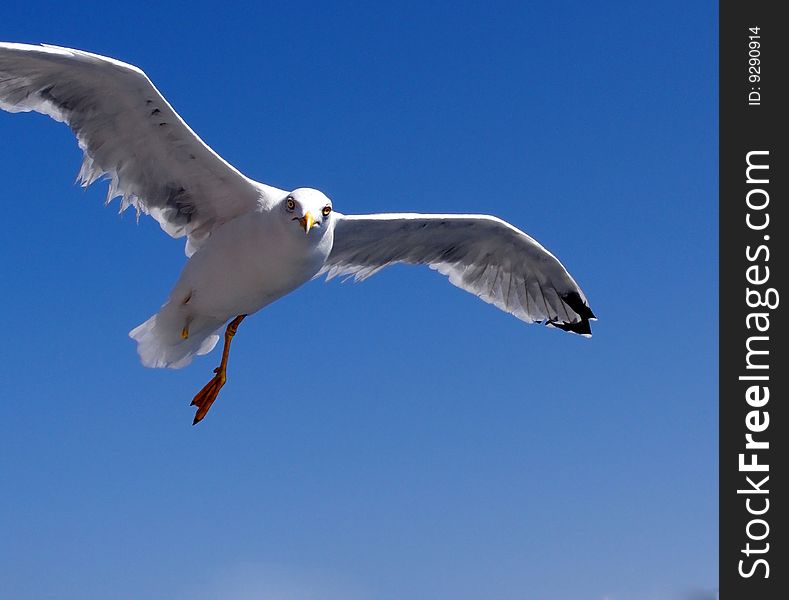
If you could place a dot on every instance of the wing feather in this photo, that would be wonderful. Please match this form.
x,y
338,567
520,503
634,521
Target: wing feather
x,y
478,253
131,135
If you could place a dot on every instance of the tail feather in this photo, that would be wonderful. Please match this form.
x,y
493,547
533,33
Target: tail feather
x,y
160,342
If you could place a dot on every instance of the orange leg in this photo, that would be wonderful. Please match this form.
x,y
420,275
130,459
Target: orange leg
x,y
205,397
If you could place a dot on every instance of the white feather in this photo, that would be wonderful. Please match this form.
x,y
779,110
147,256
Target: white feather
x,y
130,134
479,253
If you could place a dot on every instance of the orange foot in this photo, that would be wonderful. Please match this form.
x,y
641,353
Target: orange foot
x,y
205,397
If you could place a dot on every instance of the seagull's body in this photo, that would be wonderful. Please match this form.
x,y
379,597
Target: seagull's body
x,y
249,243
246,264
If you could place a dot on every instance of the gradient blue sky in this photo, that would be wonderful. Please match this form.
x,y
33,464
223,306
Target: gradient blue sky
x,y
398,438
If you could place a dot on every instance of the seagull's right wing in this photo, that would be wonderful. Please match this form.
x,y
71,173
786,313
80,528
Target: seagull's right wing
x,y
479,253
129,132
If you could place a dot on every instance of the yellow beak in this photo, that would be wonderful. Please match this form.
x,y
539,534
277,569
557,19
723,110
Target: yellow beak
x,y
307,221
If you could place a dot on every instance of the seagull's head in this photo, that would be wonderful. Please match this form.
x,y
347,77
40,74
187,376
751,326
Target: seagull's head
x,y
309,210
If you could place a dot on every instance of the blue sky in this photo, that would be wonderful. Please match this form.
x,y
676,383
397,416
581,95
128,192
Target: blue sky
x,y
417,443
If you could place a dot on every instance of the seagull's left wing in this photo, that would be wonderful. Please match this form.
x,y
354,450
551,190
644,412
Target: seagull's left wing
x,y
479,253
131,134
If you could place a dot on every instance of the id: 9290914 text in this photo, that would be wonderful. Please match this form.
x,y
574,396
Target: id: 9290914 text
x,y
754,66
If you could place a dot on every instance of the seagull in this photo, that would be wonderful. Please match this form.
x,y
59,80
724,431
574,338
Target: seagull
x,y
248,243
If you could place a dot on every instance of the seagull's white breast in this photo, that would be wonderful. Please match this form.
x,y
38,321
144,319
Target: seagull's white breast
x,y
248,263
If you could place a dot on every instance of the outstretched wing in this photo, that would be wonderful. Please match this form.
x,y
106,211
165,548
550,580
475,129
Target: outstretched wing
x,y
479,253
129,133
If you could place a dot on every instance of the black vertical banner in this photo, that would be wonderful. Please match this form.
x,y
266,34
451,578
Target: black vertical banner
x,y
754,270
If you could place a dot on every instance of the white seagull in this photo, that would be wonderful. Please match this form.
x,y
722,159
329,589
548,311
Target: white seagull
x,y
249,243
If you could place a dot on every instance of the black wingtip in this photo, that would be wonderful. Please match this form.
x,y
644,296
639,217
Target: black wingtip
x,y
581,328
576,303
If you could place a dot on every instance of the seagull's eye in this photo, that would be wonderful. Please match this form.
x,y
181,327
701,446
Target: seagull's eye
x,y
291,203
326,210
